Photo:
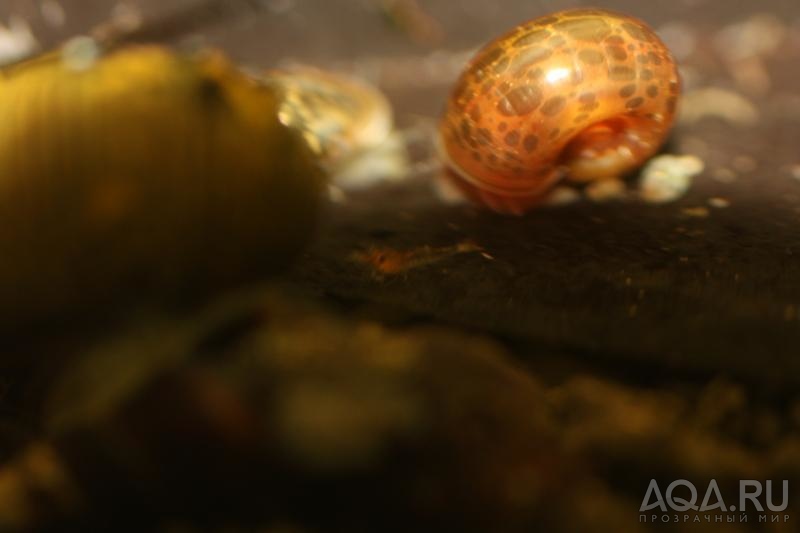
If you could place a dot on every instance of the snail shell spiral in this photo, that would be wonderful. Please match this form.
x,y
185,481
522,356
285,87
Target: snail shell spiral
x,y
586,94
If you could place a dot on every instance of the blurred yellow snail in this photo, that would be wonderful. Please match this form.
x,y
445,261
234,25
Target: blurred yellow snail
x,y
584,93
143,172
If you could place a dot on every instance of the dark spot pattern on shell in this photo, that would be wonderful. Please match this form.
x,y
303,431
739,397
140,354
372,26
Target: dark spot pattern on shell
x,y
512,138
531,37
530,142
520,101
529,57
636,31
628,90
501,65
621,73
484,61
466,129
585,28
633,103
475,113
554,106
617,53
654,58
535,74
460,92
590,56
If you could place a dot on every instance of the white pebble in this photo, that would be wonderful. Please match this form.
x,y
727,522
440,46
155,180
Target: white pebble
x,y
16,40
718,103
667,177
80,53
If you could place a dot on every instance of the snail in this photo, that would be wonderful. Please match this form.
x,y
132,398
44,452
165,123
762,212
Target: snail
x,y
346,121
338,116
584,94
143,172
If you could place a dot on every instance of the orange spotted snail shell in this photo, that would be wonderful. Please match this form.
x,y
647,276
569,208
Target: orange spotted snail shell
x,y
586,94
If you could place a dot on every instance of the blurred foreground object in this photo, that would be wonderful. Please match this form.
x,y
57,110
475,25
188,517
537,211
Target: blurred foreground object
x,y
237,419
142,172
239,416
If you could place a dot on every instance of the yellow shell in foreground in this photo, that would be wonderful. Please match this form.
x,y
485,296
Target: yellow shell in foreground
x,y
584,93
143,172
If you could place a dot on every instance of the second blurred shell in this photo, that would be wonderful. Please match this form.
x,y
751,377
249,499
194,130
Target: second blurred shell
x,y
143,172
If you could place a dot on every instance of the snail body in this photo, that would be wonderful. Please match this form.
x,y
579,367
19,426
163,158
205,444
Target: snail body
x,y
585,94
